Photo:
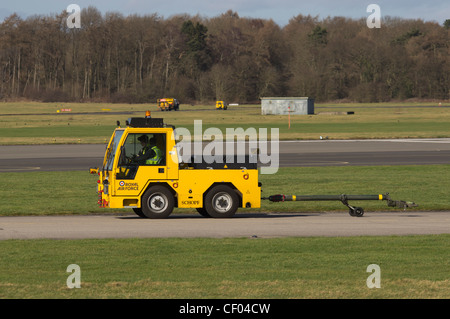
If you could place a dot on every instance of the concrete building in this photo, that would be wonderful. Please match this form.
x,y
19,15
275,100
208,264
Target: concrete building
x,y
284,105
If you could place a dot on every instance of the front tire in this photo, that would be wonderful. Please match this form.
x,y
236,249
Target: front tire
x,y
138,211
221,202
157,202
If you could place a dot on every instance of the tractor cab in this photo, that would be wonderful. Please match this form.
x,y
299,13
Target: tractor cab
x,y
134,155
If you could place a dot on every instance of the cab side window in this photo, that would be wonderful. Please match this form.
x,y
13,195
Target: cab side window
x,y
145,149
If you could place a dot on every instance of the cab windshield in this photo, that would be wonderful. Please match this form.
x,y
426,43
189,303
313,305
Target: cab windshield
x,y
141,149
111,152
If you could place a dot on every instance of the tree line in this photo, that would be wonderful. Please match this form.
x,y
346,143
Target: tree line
x,y
140,58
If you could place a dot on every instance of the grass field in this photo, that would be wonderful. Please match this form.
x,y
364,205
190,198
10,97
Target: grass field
x,y
39,123
43,193
411,267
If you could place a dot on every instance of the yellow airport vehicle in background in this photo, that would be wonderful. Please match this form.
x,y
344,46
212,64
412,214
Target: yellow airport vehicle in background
x,y
142,171
168,104
221,105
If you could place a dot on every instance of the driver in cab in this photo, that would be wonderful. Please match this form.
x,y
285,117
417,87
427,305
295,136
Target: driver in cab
x,y
149,153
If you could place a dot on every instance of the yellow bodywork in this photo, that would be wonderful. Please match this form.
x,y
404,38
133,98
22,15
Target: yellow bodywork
x,y
166,104
221,105
188,184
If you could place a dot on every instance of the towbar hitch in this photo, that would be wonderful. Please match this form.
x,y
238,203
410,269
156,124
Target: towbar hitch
x,y
353,211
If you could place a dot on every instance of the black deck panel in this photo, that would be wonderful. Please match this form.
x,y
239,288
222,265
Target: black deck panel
x,y
224,162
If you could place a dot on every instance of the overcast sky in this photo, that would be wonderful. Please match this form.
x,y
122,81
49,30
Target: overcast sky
x,y
281,11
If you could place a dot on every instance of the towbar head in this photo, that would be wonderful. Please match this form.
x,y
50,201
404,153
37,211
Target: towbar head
x,y
401,204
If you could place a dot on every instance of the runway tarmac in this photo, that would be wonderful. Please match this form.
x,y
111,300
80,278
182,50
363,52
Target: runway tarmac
x,y
291,153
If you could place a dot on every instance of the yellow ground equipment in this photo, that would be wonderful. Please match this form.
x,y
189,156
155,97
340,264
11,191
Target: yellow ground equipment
x,y
153,189
168,104
141,170
221,105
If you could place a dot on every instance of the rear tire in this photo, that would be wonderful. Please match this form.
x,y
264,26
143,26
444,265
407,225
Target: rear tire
x,y
157,202
202,211
221,202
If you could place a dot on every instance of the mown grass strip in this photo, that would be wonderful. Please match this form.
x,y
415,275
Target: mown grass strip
x,y
411,267
48,193
87,123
